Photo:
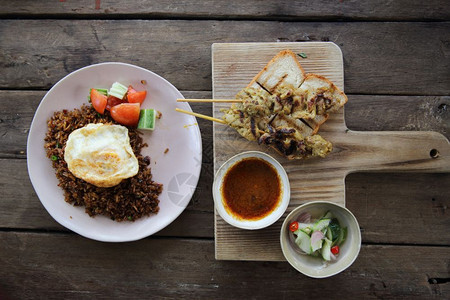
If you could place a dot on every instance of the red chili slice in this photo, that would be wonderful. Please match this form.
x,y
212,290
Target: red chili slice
x,y
293,226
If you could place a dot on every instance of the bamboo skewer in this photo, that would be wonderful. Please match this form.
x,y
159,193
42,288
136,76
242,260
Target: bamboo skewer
x,y
200,116
207,117
211,100
206,101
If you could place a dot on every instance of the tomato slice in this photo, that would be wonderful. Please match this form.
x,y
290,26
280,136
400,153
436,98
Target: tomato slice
x,y
126,113
113,101
293,226
98,101
137,97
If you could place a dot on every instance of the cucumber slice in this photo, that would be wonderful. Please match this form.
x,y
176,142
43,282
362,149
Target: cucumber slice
x,y
118,90
321,224
326,250
329,233
147,119
103,91
303,241
307,230
328,215
305,227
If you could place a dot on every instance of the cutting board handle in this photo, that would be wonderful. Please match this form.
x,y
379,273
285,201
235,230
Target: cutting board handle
x,y
395,151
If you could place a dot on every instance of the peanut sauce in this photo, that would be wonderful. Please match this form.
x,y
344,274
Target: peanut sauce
x,y
251,189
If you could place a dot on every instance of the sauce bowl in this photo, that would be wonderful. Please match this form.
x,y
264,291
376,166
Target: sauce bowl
x,y
257,223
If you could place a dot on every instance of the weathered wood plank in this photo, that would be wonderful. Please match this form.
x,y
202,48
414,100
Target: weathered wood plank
x,y
16,113
362,113
64,266
17,109
390,208
416,53
405,113
22,209
394,208
253,9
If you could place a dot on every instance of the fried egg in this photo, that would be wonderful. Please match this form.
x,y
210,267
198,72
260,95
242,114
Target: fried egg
x,y
101,154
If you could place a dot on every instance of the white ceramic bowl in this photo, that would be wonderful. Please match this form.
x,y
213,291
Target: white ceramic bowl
x,y
316,267
273,216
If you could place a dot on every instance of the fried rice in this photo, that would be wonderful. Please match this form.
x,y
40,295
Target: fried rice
x,y
132,199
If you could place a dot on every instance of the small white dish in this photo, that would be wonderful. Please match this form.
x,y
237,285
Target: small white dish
x,y
177,169
316,267
269,219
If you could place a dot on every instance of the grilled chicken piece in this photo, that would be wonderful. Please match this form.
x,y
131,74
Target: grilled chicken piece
x,y
283,107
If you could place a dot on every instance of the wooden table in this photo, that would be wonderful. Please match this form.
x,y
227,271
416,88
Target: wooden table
x,y
397,77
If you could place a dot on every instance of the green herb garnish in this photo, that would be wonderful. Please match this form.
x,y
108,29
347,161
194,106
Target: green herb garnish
x,y
54,157
302,55
130,218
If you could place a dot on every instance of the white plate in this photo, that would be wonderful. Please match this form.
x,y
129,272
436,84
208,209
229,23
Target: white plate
x,y
178,169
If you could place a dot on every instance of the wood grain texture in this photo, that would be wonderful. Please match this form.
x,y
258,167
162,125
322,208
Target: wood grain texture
x,y
62,266
21,208
385,195
397,72
179,50
405,113
252,9
234,65
417,199
362,113
397,207
15,124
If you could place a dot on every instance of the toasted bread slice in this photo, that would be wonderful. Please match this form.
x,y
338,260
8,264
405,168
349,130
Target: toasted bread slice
x,y
315,85
283,68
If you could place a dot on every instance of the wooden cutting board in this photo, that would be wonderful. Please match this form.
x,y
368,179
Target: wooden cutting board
x,y
233,67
